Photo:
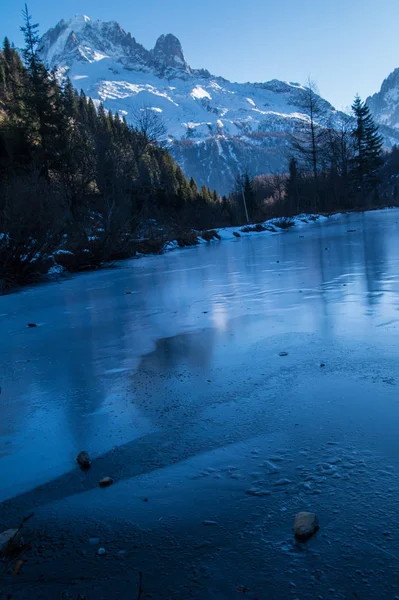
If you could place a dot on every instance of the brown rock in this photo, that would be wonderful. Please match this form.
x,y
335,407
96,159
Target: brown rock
x,y
106,481
83,460
306,524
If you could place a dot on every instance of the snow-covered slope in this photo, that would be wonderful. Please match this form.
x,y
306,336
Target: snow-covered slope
x,y
215,128
385,104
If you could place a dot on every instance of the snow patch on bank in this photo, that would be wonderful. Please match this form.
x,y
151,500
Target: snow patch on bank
x,y
271,227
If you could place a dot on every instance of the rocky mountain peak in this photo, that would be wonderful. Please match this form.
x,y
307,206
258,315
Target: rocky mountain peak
x,y
168,51
84,40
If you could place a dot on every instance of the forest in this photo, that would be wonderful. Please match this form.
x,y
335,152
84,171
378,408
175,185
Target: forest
x,y
80,187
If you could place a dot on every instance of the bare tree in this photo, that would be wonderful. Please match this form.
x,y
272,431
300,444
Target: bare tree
x,y
278,181
307,137
337,147
150,125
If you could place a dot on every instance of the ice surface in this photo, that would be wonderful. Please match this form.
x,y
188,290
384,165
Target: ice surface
x,y
69,384
179,393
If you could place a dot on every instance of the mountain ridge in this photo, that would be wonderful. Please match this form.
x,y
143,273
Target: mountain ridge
x,y
215,128
67,42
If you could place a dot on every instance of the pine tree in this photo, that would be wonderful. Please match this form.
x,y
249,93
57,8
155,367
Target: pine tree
x,y
369,143
292,187
69,99
245,195
91,114
184,191
194,187
11,81
205,194
43,115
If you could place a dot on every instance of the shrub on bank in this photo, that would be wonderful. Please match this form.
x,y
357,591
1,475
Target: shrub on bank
x,y
284,222
253,228
210,235
187,238
150,246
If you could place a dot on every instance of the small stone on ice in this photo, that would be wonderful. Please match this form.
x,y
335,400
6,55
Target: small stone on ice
x,y
283,353
83,460
306,524
106,481
101,551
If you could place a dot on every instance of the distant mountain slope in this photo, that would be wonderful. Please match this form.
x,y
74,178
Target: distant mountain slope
x,y
215,128
385,104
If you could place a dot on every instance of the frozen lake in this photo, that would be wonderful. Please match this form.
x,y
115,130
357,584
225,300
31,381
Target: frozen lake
x,y
178,390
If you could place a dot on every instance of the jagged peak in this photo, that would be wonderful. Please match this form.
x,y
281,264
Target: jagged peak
x,y
168,52
168,43
81,38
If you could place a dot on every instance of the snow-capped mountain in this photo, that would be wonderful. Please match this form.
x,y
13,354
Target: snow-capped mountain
x,y
215,128
384,105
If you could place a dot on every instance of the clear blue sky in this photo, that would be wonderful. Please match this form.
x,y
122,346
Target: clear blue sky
x,y
346,46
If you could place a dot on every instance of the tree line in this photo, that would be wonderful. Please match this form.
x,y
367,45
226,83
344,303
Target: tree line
x,y
334,165
77,182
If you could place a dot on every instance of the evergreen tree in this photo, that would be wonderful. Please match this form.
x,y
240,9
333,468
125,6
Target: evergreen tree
x,y
292,187
43,116
205,194
184,191
11,81
69,99
193,187
250,197
368,143
91,114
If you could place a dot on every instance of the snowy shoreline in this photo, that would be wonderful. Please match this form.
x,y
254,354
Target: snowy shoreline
x,y
235,233
270,227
